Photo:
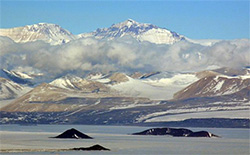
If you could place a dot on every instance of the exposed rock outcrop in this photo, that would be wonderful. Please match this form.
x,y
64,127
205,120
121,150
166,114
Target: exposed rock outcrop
x,y
202,134
118,78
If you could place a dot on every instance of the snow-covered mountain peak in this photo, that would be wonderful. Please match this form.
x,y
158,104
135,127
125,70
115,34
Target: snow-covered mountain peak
x,y
135,25
139,31
131,27
127,23
66,82
67,77
131,20
50,33
56,35
47,28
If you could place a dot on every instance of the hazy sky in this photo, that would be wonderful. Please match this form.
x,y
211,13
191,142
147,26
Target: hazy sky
x,y
194,19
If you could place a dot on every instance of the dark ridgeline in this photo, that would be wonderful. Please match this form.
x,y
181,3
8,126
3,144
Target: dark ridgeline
x,y
202,134
175,132
96,147
74,134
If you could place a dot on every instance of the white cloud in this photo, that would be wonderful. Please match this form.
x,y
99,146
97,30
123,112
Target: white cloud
x,y
125,54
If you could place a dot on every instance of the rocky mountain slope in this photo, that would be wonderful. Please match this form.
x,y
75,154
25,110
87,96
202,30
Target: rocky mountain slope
x,y
214,86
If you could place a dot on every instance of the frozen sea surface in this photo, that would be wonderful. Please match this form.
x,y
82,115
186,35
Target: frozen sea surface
x,y
117,138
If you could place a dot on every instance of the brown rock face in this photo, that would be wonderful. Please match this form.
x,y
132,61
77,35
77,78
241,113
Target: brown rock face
x,y
118,78
213,86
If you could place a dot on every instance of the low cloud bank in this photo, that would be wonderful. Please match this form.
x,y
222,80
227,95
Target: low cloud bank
x,y
125,54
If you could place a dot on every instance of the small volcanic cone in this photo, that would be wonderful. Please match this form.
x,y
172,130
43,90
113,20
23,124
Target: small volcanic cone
x,y
74,134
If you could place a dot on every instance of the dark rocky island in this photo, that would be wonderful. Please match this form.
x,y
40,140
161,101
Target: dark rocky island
x,y
74,134
181,132
96,147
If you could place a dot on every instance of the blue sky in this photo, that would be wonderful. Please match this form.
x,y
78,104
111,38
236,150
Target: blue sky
x,y
194,19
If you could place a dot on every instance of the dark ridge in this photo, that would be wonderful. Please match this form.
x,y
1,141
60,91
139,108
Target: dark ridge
x,y
205,123
149,75
74,134
165,131
96,147
175,132
202,134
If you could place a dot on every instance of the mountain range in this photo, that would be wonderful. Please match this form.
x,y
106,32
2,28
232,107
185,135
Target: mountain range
x,y
49,75
56,35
